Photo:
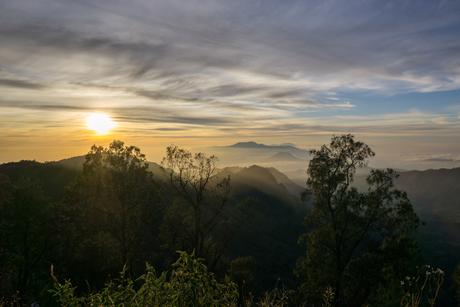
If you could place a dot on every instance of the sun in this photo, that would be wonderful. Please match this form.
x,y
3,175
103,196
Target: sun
x,y
100,123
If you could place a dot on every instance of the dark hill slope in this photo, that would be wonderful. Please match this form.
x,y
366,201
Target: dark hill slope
x,y
271,234
433,192
54,176
435,195
290,185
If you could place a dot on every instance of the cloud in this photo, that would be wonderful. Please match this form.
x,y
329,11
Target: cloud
x,y
271,67
22,84
448,157
441,160
363,50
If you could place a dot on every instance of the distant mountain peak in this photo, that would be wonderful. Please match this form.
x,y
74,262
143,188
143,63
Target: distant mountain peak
x,y
284,145
250,144
284,156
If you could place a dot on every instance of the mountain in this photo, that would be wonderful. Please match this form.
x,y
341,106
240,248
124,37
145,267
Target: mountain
x,y
262,179
74,162
250,153
284,144
248,145
434,192
290,185
299,176
284,156
254,145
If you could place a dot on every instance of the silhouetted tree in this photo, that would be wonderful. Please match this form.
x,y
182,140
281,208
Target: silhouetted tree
x,y
193,179
116,193
357,237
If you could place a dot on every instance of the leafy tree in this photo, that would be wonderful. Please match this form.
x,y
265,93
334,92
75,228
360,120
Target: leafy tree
x,y
26,235
113,199
193,179
357,237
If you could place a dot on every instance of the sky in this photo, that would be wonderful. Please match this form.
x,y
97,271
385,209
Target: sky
x,y
214,73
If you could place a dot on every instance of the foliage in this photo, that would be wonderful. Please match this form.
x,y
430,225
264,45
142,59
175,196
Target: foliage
x,y
276,298
14,301
354,233
189,284
106,212
26,237
116,185
242,273
427,286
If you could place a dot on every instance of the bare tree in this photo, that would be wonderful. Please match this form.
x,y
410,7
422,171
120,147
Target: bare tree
x,y
194,179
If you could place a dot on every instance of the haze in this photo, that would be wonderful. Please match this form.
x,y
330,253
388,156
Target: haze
x,y
199,74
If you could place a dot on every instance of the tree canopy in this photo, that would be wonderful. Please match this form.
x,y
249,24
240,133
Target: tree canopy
x,y
358,238
116,194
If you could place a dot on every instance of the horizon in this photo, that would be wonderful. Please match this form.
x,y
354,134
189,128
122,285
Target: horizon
x,y
267,153
205,74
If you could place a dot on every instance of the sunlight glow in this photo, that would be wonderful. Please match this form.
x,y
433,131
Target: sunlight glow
x,y
100,123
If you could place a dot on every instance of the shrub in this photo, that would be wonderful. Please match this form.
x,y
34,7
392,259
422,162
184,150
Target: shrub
x,y
189,284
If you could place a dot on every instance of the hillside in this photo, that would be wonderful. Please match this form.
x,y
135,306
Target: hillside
x,y
271,234
434,192
55,176
435,196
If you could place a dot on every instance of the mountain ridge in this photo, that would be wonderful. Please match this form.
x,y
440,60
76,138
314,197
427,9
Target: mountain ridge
x,y
254,145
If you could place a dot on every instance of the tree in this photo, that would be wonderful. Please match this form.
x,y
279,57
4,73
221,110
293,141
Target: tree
x,y
357,237
116,194
26,235
193,179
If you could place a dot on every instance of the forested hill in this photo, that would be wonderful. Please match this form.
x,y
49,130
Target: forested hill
x,y
435,195
55,176
269,235
433,192
275,224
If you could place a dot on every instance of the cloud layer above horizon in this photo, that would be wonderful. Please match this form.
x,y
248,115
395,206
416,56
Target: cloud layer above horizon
x,y
230,69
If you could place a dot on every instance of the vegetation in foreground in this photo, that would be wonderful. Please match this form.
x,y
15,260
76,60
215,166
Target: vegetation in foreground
x,y
360,245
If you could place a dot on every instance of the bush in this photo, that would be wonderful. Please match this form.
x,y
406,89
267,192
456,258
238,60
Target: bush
x,y
189,284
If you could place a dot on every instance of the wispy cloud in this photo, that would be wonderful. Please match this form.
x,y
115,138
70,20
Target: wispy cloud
x,y
22,84
429,157
270,67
